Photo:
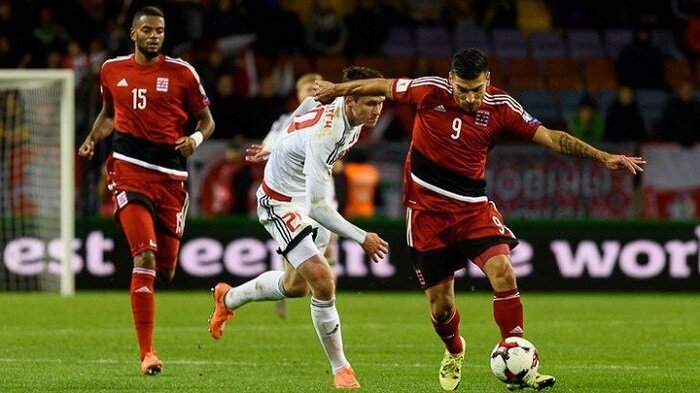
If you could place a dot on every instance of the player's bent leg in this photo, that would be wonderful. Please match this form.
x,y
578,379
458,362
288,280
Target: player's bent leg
x,y
294,286
293,282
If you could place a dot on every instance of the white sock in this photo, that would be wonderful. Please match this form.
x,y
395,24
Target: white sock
x,y
267,286
327,323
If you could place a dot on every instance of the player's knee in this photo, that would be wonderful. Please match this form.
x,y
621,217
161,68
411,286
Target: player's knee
x,y
441,313
323,289
297,289
146,259
502,276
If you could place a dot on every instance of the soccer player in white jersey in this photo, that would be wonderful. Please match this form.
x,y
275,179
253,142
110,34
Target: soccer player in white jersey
x,y
304,89
293,207
449,218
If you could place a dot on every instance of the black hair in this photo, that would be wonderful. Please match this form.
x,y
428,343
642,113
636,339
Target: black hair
x,y
469,64
353,73
147,11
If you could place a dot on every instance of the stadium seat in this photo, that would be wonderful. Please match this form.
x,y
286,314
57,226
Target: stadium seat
x,y
399,42
472,39
508,44
400,66
666,42
616,40
605,99
546,45
498,74
677,71
331,67
562,74
599,74
441,66
584,43
524,73
263,65
433,41
374,62
651,105
539,103
569,101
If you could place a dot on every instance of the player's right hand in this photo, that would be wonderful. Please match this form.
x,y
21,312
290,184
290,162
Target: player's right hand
x,y
323,91
375,247
256,153
87,149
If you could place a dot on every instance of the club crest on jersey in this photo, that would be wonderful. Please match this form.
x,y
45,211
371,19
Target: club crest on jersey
x,y
162,84
482,117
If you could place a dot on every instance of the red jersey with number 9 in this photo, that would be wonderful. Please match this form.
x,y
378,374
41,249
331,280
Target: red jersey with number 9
x,y
446,163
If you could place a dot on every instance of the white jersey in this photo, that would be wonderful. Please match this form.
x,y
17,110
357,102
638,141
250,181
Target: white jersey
x,y
276,130
301,161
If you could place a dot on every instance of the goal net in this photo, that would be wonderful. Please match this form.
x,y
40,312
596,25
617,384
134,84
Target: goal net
x,y
37,136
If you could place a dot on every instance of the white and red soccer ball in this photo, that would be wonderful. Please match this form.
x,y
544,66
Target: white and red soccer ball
x,y
514,360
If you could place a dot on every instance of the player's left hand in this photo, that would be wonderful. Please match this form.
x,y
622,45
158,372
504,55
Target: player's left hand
x,y
619,161
185,145
323,91
256,153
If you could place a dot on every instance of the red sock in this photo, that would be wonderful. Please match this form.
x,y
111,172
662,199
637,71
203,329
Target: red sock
x,y
143,307
448,331
508,313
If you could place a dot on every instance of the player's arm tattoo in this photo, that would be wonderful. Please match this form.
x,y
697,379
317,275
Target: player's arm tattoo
x,y
573,147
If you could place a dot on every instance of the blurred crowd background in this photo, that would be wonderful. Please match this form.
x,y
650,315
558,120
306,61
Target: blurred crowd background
x,y
622,73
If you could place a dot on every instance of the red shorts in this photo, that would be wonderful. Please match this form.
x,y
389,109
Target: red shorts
x,y
442,243
165,197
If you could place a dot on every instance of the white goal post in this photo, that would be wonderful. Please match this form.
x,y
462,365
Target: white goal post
x,y
37,143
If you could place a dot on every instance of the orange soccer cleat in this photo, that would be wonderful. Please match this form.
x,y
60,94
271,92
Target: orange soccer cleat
x,y
150,364
345,379
221,314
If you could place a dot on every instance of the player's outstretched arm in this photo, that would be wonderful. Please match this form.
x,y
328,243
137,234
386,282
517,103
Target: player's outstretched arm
x,y
566,144
101,129
325,91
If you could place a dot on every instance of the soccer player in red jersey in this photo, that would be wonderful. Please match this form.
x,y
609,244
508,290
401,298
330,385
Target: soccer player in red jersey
x,y
147,99
449,217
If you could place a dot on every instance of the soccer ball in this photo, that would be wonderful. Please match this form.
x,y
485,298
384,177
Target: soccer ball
x,y
514,360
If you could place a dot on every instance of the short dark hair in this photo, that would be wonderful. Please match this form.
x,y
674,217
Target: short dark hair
x,y
469,63
147,11
354,73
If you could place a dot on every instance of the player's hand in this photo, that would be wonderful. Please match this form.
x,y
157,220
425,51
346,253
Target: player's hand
x,y
375,247
185,145
256,153
323,91
619,161
87,149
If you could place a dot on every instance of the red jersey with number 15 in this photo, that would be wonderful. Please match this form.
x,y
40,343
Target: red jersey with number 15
x,y
152,101
446,163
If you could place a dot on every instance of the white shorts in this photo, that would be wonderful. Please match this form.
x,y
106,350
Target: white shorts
x,y
288,223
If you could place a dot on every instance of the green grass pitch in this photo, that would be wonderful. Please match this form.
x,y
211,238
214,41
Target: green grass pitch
x,y
590,342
